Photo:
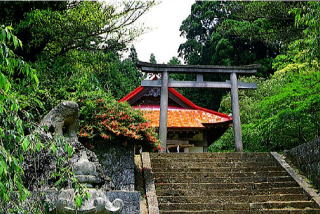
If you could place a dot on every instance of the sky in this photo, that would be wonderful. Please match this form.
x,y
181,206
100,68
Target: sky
x,y
163,37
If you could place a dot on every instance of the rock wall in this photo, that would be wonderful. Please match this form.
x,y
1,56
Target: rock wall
x,y
118,160
306,157
131,200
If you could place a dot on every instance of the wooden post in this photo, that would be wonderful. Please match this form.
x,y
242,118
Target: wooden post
x,y
163,111
236,112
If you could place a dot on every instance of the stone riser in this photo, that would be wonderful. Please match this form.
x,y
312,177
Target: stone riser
x,y
221,169
198,179
284,205
224,186
217,174
275,211
235,199
237,206
212,160
241,164
209,155
227,183
230,192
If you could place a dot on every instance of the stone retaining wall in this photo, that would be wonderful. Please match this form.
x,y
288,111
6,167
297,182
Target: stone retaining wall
x,y
119,162
306,157
131,200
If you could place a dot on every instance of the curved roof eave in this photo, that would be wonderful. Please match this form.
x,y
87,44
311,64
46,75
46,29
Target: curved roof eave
x,y
180,96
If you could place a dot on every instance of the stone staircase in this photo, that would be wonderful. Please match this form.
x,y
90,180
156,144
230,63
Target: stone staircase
x,y
228,183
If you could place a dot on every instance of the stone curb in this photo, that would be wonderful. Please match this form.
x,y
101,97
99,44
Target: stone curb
x,y
152,201
298,178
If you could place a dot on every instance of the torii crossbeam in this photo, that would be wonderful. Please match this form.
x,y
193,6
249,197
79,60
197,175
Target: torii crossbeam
x,y
199,70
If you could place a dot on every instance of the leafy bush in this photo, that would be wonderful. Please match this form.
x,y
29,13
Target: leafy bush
x,y
104,120
13,141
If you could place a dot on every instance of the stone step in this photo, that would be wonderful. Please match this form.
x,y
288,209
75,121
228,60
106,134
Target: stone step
x,y
273,211
238,206
211,174
213,160
235,164
283,205
236,199
200,179
204,206
222,169
227,183
234,155
229,192
225,186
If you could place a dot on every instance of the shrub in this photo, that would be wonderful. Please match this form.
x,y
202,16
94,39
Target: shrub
x,y
103,119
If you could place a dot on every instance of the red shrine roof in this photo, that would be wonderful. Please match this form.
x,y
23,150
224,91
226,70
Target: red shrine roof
x,y
182,113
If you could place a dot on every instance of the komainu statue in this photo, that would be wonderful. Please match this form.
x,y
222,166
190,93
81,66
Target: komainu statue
x,y
62,121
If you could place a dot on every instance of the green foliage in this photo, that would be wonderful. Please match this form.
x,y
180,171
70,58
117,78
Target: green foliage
x,y
282,113
235,33
85,26
80,71
308,46
104,120
152,58
13,142
174,61
11,13
133,56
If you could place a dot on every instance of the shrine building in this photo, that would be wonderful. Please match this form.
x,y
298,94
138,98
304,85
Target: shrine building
x,y
191,128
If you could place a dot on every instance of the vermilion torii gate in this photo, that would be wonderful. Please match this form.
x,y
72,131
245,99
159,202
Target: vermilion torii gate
x,y
199,70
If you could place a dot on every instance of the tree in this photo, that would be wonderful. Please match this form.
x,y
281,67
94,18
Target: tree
x,y
86,26
234,33
77,48
83,71
133,54
11,13
152,59
174,61
308,47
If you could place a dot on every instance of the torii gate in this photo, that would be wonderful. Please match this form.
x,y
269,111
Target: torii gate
x,y
199,70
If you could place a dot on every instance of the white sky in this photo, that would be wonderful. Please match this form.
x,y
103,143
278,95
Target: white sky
x,y
163,38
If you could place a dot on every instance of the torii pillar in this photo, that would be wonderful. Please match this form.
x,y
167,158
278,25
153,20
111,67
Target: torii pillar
x,y
199,70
